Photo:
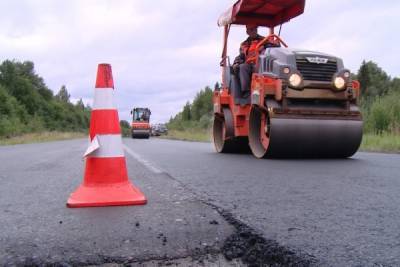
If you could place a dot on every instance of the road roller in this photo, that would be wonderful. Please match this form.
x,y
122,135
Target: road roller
x,y
140,127
300,103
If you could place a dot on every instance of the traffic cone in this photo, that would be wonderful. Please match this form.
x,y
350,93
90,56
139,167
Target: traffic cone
x,y
106,180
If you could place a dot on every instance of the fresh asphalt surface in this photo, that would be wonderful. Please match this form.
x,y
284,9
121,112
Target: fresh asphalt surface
x,y
342,212
37,228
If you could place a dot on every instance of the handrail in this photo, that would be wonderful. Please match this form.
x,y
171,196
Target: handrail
x,y
271,38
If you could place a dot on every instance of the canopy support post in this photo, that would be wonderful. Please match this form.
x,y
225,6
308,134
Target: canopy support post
x,y
271,30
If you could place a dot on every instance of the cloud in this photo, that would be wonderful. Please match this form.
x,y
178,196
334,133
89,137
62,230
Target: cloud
x,y
163,52
353,32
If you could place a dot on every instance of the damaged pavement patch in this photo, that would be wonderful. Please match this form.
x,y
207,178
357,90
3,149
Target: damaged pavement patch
x,y
252,249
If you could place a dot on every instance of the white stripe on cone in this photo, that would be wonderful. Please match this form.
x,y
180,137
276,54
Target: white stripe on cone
x,y
103,98
108,146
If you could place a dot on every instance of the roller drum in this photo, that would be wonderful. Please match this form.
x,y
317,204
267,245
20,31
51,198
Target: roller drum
x,y
316,138
305,137
223,135
141,134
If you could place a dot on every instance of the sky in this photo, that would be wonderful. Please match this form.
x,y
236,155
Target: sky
x,y
162,52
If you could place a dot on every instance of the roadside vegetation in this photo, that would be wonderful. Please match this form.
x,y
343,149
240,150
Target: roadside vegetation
x,y
30,112
39,137
380,104
125,128
194,134
29,109
194,121
385,142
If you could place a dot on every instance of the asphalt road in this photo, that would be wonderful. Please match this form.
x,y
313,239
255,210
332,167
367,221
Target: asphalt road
x,y
334,212
343,212
37,229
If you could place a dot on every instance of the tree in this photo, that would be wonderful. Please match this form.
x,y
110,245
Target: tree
x,y
208,104
80,104
124,124
186,113
395,85
363,77
196,115
125,128
217,87
27,104
63,95
373,80
202,104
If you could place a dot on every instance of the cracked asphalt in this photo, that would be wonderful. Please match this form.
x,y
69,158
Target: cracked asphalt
x,y
264,212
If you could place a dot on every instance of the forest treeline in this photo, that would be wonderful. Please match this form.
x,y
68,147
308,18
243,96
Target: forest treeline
x,y
380,103
28,105
380,99
197,114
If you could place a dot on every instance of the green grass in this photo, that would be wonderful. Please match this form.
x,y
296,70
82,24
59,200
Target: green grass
x,y
41,137
387,142
201,135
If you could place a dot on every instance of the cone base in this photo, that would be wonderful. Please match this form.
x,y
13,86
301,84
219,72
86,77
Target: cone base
x,y
119,194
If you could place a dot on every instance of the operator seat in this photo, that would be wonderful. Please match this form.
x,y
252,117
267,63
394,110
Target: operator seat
x,y
235,90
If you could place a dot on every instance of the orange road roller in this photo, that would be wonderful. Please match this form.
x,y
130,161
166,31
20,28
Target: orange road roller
x,y
140,127
299,104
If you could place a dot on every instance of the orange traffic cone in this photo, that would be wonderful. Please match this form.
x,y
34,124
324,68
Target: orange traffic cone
x,y
106,180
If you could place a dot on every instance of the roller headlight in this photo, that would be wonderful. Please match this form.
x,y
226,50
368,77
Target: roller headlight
x,y
339,83
295,80
286,70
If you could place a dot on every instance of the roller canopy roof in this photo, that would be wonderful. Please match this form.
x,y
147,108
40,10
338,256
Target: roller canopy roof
x,y
269,13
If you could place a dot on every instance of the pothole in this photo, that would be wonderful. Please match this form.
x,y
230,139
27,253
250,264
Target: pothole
x,y
247,247
254,250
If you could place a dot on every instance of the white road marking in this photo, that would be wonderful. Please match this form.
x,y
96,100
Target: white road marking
x,y
139,158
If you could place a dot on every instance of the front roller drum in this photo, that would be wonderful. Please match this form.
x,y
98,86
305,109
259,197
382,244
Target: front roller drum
x,y
141,134
302,137
223,136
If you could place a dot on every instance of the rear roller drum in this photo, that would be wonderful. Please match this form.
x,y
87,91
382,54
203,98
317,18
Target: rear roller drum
x,y
224,143
219,134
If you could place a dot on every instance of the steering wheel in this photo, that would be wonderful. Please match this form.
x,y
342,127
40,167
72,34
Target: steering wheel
x,y
272,39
